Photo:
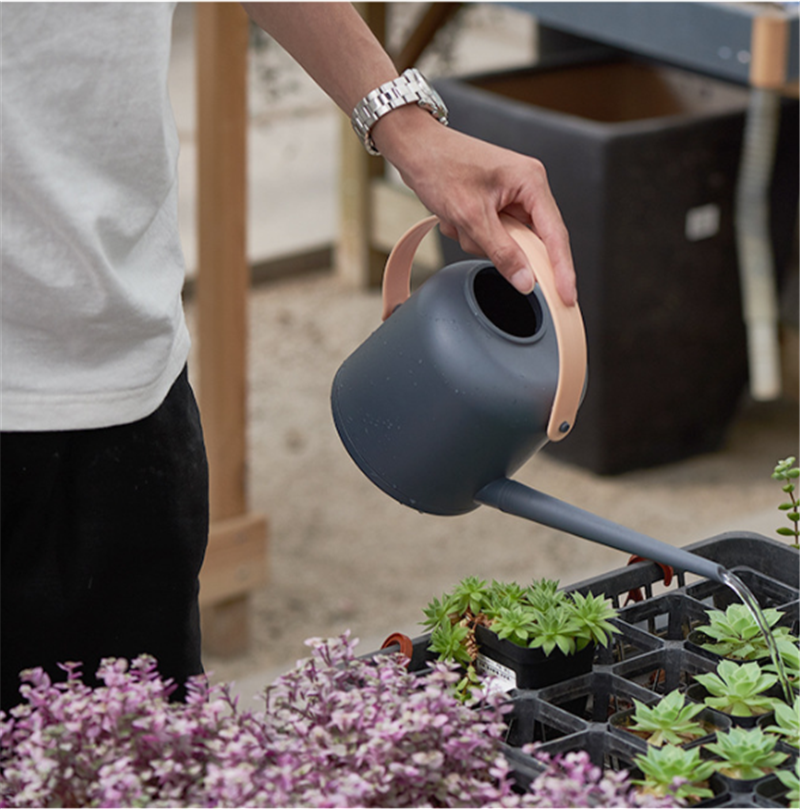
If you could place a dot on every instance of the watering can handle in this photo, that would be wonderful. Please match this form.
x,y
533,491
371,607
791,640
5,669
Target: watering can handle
x,y
567,320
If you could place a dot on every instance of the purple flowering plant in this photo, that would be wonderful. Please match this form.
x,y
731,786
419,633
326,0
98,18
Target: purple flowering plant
x,y
337,731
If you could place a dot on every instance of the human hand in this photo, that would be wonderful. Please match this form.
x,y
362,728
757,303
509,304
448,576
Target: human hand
x,y
467,183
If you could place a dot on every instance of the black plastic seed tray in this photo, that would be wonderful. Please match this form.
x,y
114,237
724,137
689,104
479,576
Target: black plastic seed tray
x,y
648,658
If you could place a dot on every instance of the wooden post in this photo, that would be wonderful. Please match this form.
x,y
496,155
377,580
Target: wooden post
x,y
374,214
236,557
357,262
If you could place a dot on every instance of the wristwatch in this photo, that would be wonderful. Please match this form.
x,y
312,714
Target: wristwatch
x,y
410,87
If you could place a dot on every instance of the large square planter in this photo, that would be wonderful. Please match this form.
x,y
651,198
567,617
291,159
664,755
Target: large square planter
x,y
643,161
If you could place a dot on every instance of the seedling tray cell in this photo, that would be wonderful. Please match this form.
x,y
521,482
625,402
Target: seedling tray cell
x,y
671,616
664,670
607,751
533,720
594,697
629,642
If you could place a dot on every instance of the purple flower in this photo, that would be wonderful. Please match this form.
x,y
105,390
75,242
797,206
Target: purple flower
x,y
336,731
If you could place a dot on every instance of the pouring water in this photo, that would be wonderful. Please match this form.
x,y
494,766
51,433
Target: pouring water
x,y
751,603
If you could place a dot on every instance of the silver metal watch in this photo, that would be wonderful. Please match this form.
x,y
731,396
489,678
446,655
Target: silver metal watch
x,y
410,87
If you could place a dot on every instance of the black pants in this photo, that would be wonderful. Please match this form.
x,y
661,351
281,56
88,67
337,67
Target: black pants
x,y
102,537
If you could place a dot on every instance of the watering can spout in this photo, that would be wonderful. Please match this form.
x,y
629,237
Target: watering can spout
x,y
522,501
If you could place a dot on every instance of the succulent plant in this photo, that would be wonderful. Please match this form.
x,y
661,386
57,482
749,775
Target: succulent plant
x,y
734,633
673,771
746,753
787,722
738,689
786,472
791,780
539,615
671,720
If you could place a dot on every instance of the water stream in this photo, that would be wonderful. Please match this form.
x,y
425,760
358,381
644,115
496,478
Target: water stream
x,y
751,603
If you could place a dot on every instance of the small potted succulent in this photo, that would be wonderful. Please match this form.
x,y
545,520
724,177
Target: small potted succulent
x,y
738,690
786,722
790,779
673,720
746,754
734,633
670,770
535,635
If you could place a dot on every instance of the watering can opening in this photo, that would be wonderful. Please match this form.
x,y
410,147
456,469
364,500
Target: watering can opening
x,y
510,313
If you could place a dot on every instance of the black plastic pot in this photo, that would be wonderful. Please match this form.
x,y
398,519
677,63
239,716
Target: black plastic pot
x,y
530,668
771,792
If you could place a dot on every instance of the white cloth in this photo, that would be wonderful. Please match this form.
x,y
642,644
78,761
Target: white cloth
x,y
93,332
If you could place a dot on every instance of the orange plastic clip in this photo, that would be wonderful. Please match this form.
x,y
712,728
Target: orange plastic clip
x,y
635,594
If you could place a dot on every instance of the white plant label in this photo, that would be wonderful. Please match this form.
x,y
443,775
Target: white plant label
x,y
501,678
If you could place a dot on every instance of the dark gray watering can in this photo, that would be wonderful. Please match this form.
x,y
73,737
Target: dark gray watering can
x,y
462,383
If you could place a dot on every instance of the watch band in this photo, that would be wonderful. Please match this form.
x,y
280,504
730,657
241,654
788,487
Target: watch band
x,y
410,87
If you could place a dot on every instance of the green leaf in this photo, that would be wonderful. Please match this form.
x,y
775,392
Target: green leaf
x,y
785,531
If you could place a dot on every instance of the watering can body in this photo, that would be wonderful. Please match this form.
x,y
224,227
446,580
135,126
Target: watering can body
x,y
443,397
464,380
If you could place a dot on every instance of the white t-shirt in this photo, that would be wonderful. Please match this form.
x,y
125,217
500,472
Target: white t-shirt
x,y
93,332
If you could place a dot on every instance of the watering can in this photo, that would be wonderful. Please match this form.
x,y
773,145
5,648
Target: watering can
x,y
463,382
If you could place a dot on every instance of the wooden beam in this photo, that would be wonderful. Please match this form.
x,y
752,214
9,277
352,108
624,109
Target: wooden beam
x,y
769,51
222,287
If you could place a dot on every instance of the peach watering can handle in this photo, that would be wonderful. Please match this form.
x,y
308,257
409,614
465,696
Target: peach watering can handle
x,y
567,320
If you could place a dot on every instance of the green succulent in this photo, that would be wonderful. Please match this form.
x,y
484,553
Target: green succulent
x,y
437,612
544,595
736,634
513,623
594,615
673,771
505,594
555,628
746,753
787,722
471,593
791,780
786,472
448,641
671,720
738,689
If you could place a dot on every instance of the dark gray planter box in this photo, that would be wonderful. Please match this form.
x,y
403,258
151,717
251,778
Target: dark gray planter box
x,y
643,161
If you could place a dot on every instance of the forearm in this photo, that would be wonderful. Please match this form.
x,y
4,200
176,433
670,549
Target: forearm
x,y
332,43
465,182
